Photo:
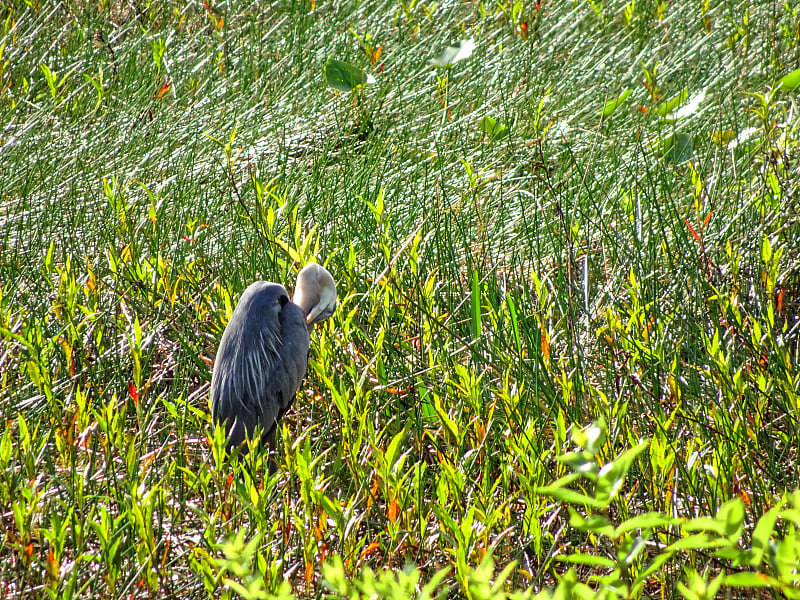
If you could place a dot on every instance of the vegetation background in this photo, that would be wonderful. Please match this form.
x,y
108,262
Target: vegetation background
x,y
565,359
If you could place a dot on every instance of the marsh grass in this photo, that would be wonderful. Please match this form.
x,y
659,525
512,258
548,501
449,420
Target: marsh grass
x,y
633,264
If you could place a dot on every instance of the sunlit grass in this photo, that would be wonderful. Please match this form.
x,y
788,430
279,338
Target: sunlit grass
x,y
593,217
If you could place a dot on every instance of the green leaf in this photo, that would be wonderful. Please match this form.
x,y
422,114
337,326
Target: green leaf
x,y
592,437
732,515
333,510
699,541
570,496
613,474
345,77
453,53
613,105
587,559
677,148
766,250
646,521
705,524
667,107
597,524
747,579
790,82
495,130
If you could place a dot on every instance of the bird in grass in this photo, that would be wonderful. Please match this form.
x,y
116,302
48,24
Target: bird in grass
x,y
263,355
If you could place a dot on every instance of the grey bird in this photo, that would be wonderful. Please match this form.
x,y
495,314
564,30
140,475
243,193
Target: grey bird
x,y
263,354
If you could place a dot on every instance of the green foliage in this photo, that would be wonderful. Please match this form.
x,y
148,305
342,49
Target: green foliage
x,y
616,244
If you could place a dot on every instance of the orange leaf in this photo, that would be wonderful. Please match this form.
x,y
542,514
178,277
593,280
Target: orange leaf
x,y
52,565
393,510
376,54
368,550
164,89
694,233
27,554
707,219
133,392
545,347
745,497
780,301
309,573
373,493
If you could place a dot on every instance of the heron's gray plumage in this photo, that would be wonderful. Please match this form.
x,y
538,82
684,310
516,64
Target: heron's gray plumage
x,y
263,354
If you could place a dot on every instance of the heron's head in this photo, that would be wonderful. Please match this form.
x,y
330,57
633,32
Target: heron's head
x,y
315,293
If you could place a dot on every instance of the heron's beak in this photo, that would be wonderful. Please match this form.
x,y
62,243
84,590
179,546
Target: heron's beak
x,y
323,309
320,314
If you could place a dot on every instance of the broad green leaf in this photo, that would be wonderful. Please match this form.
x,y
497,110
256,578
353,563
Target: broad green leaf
x,y
597,524
667,107
766,250
732,515
453,53
748,579
613,474
646,521
333,510
580,462
345,77
790,82
613,105
706,524
698,541
587,559
494,129
635,550
678,148
591,438
570,496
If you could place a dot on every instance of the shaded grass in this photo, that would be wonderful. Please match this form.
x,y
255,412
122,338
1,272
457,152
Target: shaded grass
x,y
495,294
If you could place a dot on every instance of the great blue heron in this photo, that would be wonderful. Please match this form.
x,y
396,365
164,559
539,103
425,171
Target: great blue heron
x,y
263,354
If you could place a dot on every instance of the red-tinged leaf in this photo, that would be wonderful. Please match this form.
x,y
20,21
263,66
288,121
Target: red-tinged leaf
x,y
164,89
133,392
393,511
229,481
207,5
376,54
707,219
323,551
643,109
694,233
780,301
51,565
373,546
745,497
373,493
165,554
545,347
309,573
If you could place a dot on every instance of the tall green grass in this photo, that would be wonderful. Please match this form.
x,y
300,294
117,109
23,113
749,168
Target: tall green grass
x,y
625,253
